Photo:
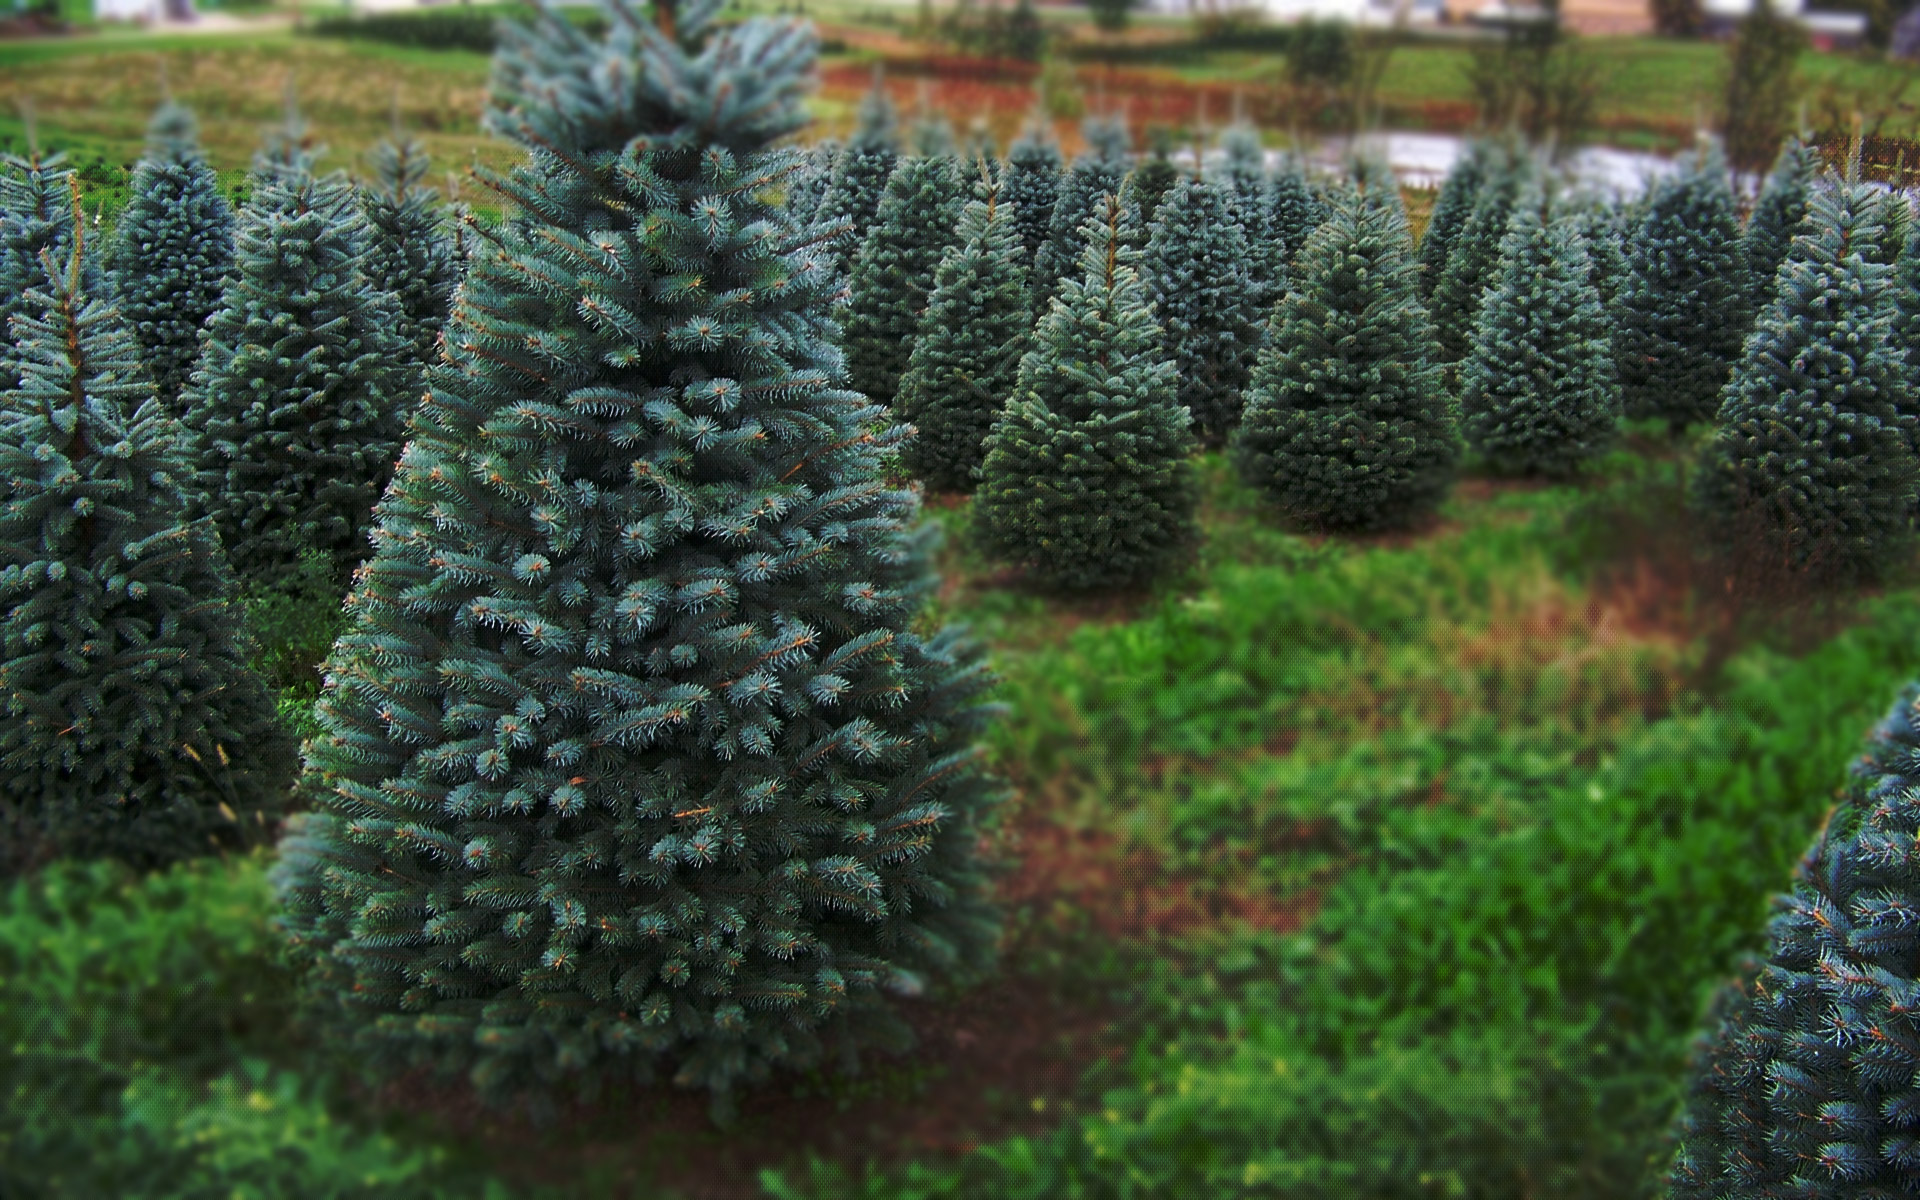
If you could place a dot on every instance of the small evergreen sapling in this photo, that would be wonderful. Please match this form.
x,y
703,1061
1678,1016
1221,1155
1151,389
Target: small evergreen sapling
x,y
636,755
968,353
1778,217
1538,394
894,272
1812,464
410,246
1197,269
1086,482
1683,310
1346,424
297,409
134,727
175,244
860,176
1100,172
1034,170
1806,1081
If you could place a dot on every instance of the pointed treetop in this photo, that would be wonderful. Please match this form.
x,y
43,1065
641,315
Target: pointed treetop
x,y
288,152
1107,137
877,124
172,135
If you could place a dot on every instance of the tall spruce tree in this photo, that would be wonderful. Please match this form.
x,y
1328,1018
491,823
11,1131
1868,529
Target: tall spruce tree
x,y
894,273
37,226
1086,481
1034,169
1778,217
306,377
636,755
1454,207
1473,258
1346,424
971,341
1198,267
860,176
1538,394
1683,310
1812,467
410,245
1250,202
1296,213
175,243
134,727
1101,171
1806,1084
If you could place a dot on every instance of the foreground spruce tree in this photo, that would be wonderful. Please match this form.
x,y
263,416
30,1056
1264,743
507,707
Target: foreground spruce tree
x,y
303,387
1198,268
1778,217
1683,311
635,756
133,727
1086,482
860,176
1538,394
894,271
968,353
1033,184
1347,425
175,244
1812,468
37,223
1806,1084
1100,172
410,246
1458,198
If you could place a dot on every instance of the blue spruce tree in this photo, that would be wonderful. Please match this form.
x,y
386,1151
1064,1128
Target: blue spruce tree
x,y
860,176
1197,267
1249,193
1296,211
1454,207
1100,172
38,219
1150,181
1034,168
1779,216
134,727
968,353
1538,394
1473,258
636,756
411,251
807,186
1812,467
894,271
1086,481
175,243
1346,424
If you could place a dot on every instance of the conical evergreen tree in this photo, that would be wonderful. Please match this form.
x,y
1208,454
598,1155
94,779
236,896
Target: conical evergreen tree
x,y
288,156
807,186
968,353
1033,185
1197,267
1296,211
410,247
1682,313
635,753
1346,423
1538,394
1250,202
1086,481
37,216
134,727
1812,466
175,244
1101,171
1599,226
1149,182
894,273
933,137
1778,217
980,149
860,176
1454,207
1473,259
304,384
1807,1083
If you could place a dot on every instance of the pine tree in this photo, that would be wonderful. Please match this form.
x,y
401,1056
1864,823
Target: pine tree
x,y
410,247
1778,217
971,341
1346,423
1806,1086
1033,185
1086,481
894,273
635,755
134,727
175,244
1149,182
1473,260
860,176
1296,211
1197,267
1538,392
1682,312
1459,196
304,384
1101,171
37,223
1250,202
1812,465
